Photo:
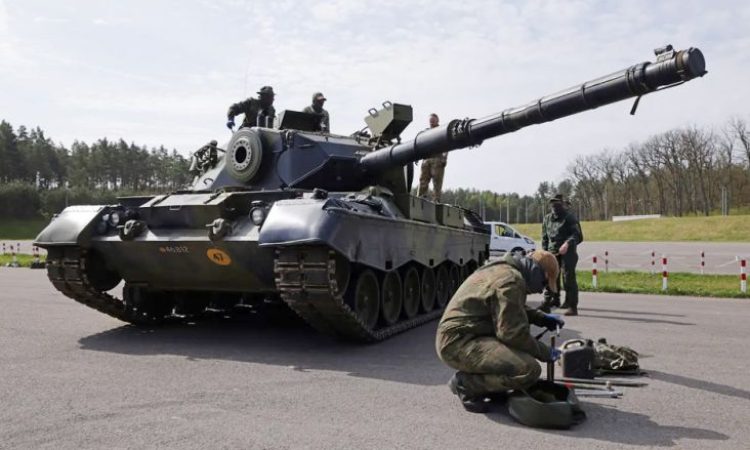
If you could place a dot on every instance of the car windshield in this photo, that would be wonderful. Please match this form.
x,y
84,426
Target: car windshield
x,y
503,230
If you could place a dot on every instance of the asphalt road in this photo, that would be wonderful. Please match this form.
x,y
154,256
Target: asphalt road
x,y
73,378
720,257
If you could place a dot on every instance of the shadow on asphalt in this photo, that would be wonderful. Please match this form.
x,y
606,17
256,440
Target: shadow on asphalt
x,y
584,312
409,357
701,385
639,313
610,424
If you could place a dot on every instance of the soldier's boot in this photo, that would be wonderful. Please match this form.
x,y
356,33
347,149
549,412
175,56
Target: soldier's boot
x,y
471,403
572,311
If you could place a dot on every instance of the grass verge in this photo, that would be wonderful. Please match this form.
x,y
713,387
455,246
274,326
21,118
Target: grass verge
x,y
14,229
712,228
23,260
694,285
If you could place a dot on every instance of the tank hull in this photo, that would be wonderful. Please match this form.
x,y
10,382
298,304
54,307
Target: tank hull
x,y
175,265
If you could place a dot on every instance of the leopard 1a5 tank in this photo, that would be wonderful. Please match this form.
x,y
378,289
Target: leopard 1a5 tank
x,y
322,222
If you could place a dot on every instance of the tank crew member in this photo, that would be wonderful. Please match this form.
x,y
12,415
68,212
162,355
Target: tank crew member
x,y
433,168
318,99
561,234
484,332
258,112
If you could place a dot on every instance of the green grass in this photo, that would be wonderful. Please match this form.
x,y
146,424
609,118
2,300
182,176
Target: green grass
x,y
23,260
12,229
679,284
712,228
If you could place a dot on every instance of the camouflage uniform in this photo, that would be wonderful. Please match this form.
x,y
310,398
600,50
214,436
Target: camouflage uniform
x,y
484,332
255,114
432,168
556,230
325,118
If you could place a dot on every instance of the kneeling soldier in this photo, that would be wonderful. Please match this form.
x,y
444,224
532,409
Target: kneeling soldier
x,y
484,332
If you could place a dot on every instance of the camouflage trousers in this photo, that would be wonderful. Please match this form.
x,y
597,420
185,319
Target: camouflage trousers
x,y
568,263
488,366
432,169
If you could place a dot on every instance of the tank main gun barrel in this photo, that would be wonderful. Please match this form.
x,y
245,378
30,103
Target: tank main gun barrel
x,y
672,67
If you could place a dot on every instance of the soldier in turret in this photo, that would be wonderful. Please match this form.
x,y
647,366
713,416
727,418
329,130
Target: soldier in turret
x,y
318,99
258,112
433,168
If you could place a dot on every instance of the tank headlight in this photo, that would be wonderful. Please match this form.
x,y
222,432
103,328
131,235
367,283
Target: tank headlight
x,y
258,215
114,219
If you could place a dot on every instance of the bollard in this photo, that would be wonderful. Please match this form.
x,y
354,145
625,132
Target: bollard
x,y
703,261
664,273
606,261
594,274
14,262
37,263
743,276
653,262
4,252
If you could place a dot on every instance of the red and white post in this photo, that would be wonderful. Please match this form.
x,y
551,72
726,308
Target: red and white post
x,y
703,262
594,274
14,262
664,273
743,276
653,262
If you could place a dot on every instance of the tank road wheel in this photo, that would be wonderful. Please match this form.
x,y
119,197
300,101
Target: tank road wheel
x,y
342,270
411,293
454,274
391,298
428,289
146,307
442,286
365,298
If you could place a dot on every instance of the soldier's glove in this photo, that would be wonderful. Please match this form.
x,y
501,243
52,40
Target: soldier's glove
x,y
554,354
552,321
230,124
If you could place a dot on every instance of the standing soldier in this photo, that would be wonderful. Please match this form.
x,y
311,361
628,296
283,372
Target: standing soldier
x,y
561,234
484,332
433,168
258,113
318,99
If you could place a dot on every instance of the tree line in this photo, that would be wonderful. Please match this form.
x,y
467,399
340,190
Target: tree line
x,y
38,176
686,171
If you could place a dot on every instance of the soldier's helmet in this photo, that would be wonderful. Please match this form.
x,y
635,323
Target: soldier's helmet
x,y
549,265
266,90
213,143
557,198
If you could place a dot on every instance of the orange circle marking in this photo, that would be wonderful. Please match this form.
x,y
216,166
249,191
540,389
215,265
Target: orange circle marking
x,y
219,257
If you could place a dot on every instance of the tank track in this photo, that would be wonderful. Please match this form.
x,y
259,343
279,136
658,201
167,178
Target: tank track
x,y
306,279
67,272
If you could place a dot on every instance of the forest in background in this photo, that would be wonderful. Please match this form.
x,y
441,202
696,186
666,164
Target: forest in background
x,y
686,171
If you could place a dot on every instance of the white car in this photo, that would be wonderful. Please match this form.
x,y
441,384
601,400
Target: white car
x,y
506,239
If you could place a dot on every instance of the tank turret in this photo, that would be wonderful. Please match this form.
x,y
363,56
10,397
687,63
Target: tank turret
x,y
295,156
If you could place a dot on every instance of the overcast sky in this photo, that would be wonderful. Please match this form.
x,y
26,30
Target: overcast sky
x,y
164,72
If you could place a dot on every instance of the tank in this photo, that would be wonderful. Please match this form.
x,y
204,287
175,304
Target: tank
x,y
320,222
